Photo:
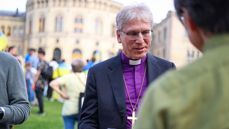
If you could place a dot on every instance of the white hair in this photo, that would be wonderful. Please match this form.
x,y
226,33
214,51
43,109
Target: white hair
x,y
134,12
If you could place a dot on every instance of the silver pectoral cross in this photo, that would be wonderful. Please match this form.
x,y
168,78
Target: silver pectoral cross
x,y
133,118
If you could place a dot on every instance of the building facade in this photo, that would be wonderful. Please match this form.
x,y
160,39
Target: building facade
x,y
12,25
77,28
170,41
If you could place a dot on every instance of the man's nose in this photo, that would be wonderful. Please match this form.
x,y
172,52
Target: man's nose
x,y
140,38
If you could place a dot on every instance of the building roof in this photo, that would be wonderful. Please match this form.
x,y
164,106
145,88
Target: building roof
x,y
12,13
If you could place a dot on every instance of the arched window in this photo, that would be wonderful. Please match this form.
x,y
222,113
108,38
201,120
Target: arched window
x,y
42,3
3,29
98,26
57,54
46,3
42,24
78,24
38,3
59,24
76,53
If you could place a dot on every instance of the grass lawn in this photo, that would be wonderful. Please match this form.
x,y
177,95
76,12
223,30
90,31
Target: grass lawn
x,y
51,120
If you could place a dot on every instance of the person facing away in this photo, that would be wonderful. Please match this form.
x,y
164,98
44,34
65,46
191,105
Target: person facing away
x,y
196,96
115,87
40,81
14,104
69,88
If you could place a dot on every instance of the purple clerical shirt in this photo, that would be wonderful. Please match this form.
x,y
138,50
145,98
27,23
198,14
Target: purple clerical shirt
x,y
133,75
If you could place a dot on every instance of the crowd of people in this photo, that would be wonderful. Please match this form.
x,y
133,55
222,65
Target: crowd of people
x,y
42,77
134,86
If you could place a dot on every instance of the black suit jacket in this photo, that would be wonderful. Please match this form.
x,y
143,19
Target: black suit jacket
x,y
104,104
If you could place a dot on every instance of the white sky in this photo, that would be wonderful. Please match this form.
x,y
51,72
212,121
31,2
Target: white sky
x,y
158,7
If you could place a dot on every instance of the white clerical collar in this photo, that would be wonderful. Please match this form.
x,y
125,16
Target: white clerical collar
x,y
135,62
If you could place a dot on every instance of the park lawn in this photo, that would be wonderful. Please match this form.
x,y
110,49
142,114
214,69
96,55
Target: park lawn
x,y
51,120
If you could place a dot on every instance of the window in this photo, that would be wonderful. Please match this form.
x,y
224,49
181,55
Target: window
x,y
21,31
8,31
46,3
159,37
76,53
14,31
77,41
59,24
30,26
78,24
3,29
42,24
190,55
165,33
38,4
98,26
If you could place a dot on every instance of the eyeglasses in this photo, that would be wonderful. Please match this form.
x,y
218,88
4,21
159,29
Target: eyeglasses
x,y
181,18
135,34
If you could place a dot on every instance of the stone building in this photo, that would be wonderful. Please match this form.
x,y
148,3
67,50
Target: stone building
x,y
12,24
170,41
76,28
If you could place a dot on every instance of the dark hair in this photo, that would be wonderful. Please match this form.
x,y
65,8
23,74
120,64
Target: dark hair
x,y
11,47
41,51
32,49
210,15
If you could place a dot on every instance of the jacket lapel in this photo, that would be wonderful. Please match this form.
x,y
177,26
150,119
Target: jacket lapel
x,y
116,80
153,68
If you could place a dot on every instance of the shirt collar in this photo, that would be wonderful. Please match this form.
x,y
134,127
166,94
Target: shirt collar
x,y
216,41
129,61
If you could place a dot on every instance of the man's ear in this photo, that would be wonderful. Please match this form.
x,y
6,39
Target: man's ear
x,y
189,22
118,36
195,33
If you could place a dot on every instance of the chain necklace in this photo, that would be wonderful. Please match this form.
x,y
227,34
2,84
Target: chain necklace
x,y
133,117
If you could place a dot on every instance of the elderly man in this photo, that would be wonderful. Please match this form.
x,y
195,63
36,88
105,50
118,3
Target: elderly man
x,y
115,87
14,105
195,97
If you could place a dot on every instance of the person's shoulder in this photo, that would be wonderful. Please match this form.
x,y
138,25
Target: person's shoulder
x,y
182,79
7,58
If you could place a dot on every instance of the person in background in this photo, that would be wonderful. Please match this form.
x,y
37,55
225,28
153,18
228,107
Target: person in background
x,y
195,96
62,69
32,58
30,73
12,50
40,81
115,87
89,64
69,87
14,104
53,63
